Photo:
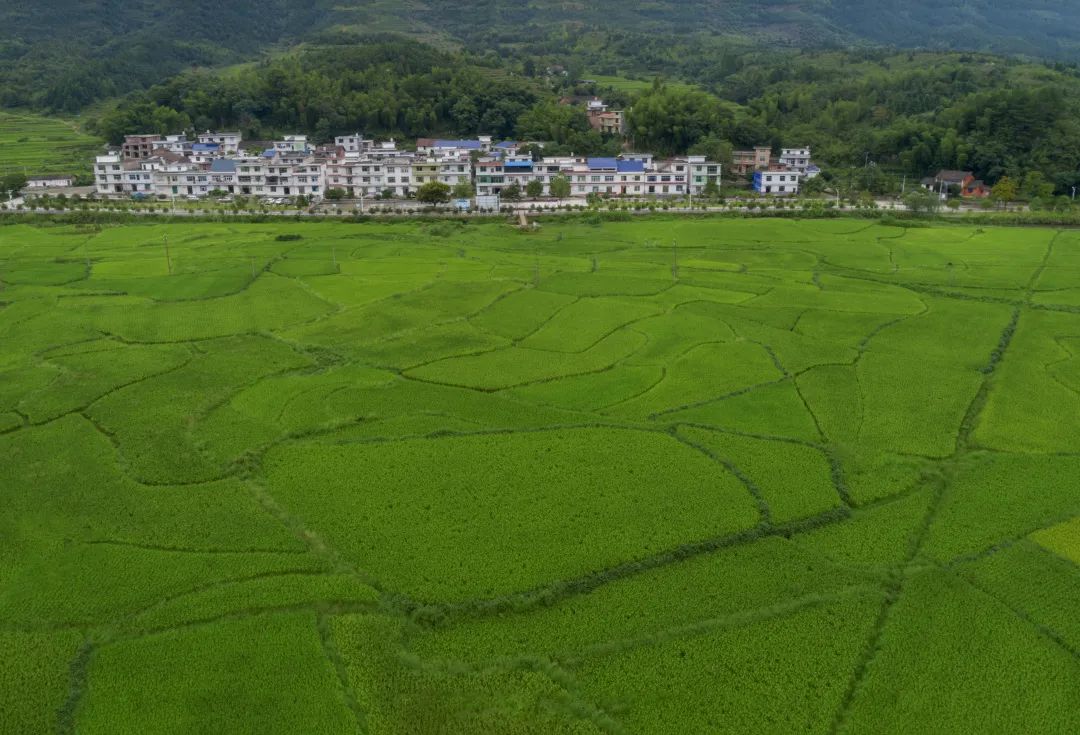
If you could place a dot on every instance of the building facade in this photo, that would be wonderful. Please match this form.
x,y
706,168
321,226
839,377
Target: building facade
x,y
222,163
49,182
777,181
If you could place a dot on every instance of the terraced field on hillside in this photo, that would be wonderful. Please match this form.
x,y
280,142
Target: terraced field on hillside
x,y
664,476
39,146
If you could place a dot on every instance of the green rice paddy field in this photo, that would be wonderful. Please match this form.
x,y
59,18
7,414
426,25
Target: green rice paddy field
x,y
400,478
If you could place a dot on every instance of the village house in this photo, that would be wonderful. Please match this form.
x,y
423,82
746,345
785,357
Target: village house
x,y
439,148
796,159
355,143
964,181
777,181
223,176
228,143
702,172
747,162
138,146
49,182
604,120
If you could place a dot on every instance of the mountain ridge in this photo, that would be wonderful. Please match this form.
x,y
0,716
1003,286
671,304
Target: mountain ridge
x,y
66,54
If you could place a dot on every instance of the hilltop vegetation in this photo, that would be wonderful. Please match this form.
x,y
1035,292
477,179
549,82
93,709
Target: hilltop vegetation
x,y
65,54
417,478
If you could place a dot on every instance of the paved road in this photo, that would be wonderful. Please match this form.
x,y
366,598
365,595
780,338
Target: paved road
x,y
323,213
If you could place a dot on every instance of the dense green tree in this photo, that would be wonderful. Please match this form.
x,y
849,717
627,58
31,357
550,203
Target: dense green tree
x,y
715,149
12,184
670,120
511,193
463,190
534,189
1005,190
433,192
1036,186
560,187
922,201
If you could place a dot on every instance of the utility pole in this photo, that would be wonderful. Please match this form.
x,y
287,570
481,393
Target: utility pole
x,y
675,261
1074,194
168,260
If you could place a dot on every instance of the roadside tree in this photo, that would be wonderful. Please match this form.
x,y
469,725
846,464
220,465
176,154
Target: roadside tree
x,y
433,192
560,187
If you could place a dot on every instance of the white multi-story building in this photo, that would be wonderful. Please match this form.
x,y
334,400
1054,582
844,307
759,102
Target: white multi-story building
x,y
182,180
797,159
448,170
365,168
777,181
372,175
617,177
178,144
205,153
629,175
292,144
116,177
280,175
228,143
702,172
440,148
223,176
109,174
355,143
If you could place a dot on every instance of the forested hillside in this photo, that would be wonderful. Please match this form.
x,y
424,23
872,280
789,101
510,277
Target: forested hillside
x,y
65,54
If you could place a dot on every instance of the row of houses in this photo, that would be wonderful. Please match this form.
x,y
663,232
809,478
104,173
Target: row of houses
x,y
174,166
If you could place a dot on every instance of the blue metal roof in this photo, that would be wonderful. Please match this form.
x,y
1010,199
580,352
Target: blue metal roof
x,y
269,153
205,147
223,166
603,163
518,164
631,167
506,144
